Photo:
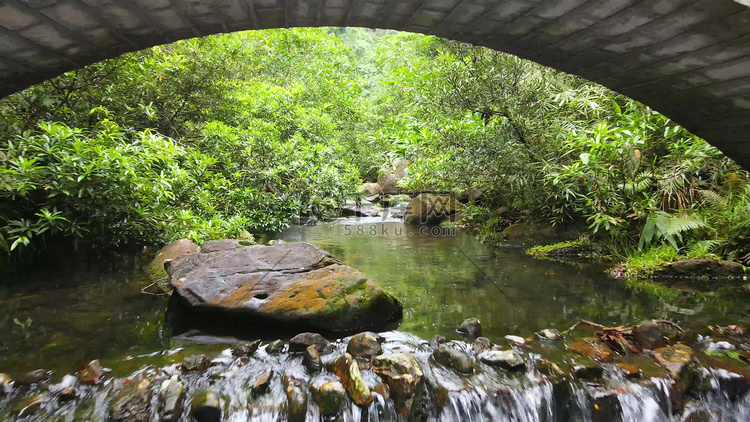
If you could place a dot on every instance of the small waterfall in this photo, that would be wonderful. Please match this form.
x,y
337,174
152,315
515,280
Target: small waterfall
x,y
489,394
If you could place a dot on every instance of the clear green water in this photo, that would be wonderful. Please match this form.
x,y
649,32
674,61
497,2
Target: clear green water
x,y
85,306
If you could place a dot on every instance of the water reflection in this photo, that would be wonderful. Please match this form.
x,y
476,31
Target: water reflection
x,y
443,279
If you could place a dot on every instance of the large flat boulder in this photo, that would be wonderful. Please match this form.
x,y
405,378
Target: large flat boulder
x,y
286,286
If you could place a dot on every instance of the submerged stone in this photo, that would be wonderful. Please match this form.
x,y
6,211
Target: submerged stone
x,y
585,368
454,359
593,348
648,335
206,407
29,406
605,406
133,402
506,359
300,342
346,368
365,345
289,285
328,395
630,370
171,399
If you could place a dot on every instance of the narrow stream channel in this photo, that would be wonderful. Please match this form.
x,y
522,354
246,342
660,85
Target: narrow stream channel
x,y
69,311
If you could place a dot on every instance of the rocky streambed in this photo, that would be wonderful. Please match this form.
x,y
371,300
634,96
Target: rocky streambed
x,y
650,372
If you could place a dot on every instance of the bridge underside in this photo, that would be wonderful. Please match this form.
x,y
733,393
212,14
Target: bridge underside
x,y
687,59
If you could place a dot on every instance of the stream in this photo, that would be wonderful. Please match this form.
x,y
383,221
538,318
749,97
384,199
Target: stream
x,y
75,307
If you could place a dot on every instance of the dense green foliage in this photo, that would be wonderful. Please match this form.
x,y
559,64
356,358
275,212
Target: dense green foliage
x,y
204,138
234,134
549,146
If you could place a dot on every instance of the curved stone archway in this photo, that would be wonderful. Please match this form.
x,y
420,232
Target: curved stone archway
x,y
689,59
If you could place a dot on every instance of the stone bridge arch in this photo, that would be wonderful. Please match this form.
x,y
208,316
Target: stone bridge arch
x,y
688,59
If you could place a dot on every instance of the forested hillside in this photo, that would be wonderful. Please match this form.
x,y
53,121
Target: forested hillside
x,y
235,134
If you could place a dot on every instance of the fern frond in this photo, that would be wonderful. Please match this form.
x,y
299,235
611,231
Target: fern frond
x,y
679,225
714,200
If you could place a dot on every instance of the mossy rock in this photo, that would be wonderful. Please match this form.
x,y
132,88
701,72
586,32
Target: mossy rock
x,y
291,285
170,252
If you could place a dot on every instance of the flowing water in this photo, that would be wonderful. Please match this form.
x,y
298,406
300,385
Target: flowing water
x,y
78,307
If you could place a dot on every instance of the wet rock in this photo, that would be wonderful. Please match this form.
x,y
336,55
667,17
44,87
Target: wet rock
x,y
733,376
66,389
92,374
171,399
506,359
36,376
29,406
403,376
585,368
605,406
430,209
312,360
170,252
481,344
371,189
677,361
67,394
700,414
674,359
629,370
300,342
471,328
648,335
196,363
346,368
364,209
292,284
550,334
298,220
454,359
262,383
365,345
329,395
437,341
593,348
133,402
206,407
274,347
391,174
696,268
6,384
515,339
550,369
296,398
246,349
